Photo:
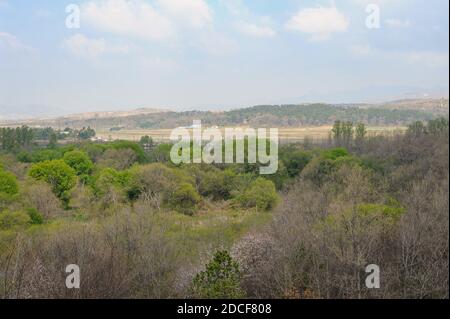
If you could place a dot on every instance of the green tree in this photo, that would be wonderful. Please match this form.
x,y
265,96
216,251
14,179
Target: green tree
x,y
261,195
347,132
417,129
60,176
360,131
337,132
437,126
146,141
185,199
8,183
220,279
79,161
86,133
52,140
296,161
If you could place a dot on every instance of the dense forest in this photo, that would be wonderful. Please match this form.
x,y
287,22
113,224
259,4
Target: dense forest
x,y
141,227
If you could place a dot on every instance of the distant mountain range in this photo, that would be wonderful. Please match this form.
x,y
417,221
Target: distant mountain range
x,y
398,112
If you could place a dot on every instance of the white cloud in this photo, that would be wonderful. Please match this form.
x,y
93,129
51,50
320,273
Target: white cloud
x,y
11,42
157,20
397,23
131,18
253,30
195,13
84,47
319,22
248,23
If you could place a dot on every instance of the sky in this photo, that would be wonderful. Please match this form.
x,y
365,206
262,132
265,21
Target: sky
x,y
217,54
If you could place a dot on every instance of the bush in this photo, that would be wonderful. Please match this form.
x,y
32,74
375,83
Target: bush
x,y
158,185
79,161
261,195
185,199
220,279
35,217
40,156
135,147
111,186
8,183
13,220
58,174
296,161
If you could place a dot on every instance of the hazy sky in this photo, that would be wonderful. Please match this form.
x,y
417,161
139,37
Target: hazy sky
x,y
187,54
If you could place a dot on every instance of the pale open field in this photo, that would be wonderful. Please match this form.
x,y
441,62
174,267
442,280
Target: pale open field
x,y
285,134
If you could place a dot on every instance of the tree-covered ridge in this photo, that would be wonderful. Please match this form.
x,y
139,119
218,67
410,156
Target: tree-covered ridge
x,y
258,116
288,116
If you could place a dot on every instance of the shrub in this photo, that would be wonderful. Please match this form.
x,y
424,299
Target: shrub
x,y
8,183
261,195
79,161
185,199
220,279
12,220
58,174
296,161
35,217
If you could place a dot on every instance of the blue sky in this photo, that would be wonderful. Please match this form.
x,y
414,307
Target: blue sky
x,y
186,54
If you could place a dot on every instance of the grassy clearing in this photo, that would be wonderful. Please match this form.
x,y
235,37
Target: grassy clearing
x,y
217,228
285,134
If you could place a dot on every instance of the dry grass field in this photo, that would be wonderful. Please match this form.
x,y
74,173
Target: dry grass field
x,y
290,134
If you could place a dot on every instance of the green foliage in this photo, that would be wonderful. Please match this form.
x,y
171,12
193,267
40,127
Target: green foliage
x,y
8,183
35,217
13,220
211,181
135,147
40,155
160,185
160,154
319,170
220,279
60,176
12,139
261,195
109,177
360,131
79,161
335,153
184,199
375,217
279,115
295,161
322,167
86,133
417,129
146,141
437,126
52,140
